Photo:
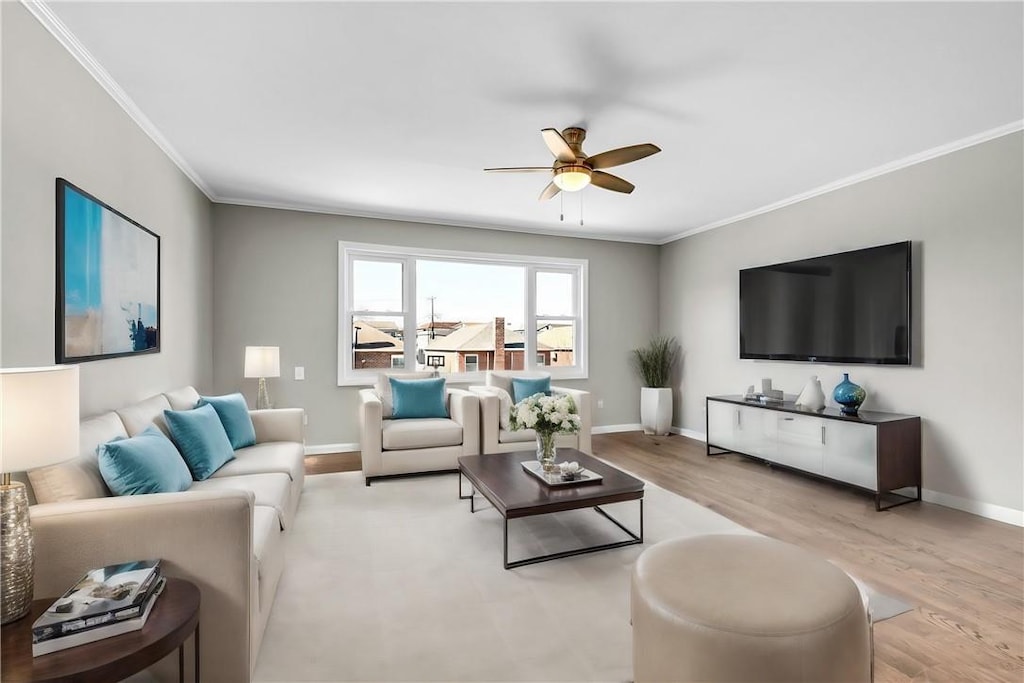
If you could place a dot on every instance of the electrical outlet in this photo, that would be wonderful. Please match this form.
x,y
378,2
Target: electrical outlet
x,y
300,372
600,403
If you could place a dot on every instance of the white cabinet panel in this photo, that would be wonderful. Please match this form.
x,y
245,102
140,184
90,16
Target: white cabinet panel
x,y
800,443
850,453
758,432
724,425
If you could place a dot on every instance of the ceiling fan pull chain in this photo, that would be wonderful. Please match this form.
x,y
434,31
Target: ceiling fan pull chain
x,y
561,207
581,209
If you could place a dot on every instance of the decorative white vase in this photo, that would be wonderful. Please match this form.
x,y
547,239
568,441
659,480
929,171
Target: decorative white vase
x,y
812,397
656,410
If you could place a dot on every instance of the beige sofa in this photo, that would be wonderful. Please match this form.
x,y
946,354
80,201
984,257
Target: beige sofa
x,y
495,437
225,534
392,447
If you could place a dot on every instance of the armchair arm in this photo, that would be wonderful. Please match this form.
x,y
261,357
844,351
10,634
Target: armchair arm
x,y
490,418
370,431
464,408
202,536
278,424
582,399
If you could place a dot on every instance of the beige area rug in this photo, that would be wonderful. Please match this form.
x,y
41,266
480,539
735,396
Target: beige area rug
x,y
400,582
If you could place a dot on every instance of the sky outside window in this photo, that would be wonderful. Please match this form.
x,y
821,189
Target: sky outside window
x,y
470,292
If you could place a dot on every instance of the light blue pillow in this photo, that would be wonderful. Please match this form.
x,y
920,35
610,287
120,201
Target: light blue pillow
x,y
415,398
146,463
524,387
201,439
234,415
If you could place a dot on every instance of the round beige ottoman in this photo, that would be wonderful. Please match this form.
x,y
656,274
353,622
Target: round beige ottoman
x,y
745,608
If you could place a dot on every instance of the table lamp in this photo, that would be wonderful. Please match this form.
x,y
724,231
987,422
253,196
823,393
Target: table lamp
x,y
262,362
38,427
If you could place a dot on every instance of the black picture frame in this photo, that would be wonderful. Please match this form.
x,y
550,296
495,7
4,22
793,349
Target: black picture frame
x,y
107,280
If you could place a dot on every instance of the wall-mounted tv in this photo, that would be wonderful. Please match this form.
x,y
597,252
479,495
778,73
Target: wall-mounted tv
x,y
852,307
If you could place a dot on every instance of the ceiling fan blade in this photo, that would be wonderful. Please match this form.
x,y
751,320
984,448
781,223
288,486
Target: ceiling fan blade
x,y
558,146
520,169
622,155
607,181
550,191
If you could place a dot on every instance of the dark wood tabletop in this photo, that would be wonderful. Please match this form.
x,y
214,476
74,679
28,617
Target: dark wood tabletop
x,y
173,619
514,492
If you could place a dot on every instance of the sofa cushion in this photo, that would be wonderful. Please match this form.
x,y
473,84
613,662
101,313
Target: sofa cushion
x,y
516,436
423,433
234,415
138,416
525,387
200,436
503,378
277,456
417,398
383,387
271,490
185,398
145,463
78,478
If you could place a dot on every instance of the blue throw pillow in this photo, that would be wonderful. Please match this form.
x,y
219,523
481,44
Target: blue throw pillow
x,y
417,398
234,415
201,439
145,463
524,387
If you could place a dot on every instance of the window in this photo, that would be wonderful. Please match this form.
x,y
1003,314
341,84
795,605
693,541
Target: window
x,y
458,313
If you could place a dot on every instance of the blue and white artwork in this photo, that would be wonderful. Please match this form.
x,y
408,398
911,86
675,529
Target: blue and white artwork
x,y
110,280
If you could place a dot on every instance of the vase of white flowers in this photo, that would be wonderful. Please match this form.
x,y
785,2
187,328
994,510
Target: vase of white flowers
x,y
547,416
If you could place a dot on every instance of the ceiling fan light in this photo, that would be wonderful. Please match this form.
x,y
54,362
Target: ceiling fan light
x,y
572,178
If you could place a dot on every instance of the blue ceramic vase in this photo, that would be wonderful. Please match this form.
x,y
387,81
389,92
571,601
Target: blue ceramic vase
x,y
848,395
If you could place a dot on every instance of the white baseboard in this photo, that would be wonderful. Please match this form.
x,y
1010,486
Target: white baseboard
x,y
332,448
611,429
975,507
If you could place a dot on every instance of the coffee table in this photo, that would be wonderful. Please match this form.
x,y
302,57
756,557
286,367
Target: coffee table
x,y
515,493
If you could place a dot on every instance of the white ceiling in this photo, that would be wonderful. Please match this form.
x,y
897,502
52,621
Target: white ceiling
x,y
392,109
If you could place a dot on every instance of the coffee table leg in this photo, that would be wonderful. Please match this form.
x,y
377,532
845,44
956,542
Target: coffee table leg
x,y
505,541
196,651
181,662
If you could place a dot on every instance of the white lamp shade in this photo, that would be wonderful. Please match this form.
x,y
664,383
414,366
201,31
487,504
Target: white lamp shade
x,y
38,416
262,361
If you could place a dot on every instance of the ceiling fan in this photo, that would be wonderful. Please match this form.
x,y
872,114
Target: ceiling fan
x,y
573,170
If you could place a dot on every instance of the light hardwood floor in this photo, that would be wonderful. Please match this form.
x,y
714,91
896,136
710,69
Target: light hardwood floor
x,y
964,574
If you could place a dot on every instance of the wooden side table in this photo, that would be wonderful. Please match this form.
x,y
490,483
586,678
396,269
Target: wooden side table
x,y
174,618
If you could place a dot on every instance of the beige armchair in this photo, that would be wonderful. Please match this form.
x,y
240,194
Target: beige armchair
x,y
495,401
414,446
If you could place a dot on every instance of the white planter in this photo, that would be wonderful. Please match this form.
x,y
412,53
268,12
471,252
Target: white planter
x,y
655,410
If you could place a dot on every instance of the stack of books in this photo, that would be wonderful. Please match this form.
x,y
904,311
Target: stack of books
x,y
105,602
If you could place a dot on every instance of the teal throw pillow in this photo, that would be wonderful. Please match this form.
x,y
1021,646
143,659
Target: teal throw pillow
x,y
234,415
145,463
524,387
201,438
415,398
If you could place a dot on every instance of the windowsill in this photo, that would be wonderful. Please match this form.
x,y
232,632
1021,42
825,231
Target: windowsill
x,y
467,378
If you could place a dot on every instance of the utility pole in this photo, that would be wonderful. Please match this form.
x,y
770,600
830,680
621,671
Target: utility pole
x,y
431,315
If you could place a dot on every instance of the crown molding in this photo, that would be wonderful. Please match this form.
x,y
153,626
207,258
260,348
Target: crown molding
x,y
428,220
42,12
905,162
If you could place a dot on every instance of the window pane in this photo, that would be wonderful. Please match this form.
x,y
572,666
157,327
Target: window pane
x,y
377,342
554,294
469,316
556,342
376,286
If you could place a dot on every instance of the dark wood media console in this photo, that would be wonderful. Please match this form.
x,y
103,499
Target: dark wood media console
x,y
874,451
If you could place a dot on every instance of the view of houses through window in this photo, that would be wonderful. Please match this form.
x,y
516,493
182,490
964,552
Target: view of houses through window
x,y
456,316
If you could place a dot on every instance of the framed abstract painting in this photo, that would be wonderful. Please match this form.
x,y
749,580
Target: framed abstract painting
x,y
108,280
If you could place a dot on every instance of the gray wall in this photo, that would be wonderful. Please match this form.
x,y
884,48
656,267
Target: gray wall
x,y
276,283
57,121
964,213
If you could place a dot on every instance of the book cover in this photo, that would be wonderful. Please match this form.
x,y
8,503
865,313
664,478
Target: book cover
x,y
109,630
103,595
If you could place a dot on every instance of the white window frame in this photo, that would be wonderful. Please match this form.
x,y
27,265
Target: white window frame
x,y
476,361
396,357
358,251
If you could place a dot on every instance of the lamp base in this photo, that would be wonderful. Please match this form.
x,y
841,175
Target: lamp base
x,y
262,397
16,555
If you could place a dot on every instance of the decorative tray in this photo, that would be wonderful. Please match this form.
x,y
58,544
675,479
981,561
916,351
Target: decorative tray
x,y
584,476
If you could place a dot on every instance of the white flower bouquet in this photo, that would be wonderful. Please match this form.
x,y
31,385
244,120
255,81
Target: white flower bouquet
x,y
546,414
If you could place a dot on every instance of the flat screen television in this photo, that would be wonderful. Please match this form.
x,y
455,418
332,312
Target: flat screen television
x,y
852,307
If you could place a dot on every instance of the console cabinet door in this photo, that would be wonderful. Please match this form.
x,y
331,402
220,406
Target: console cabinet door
x,y
801,442
724,425
850,453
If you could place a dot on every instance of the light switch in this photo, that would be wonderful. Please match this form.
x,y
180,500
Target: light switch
x,y
300,372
